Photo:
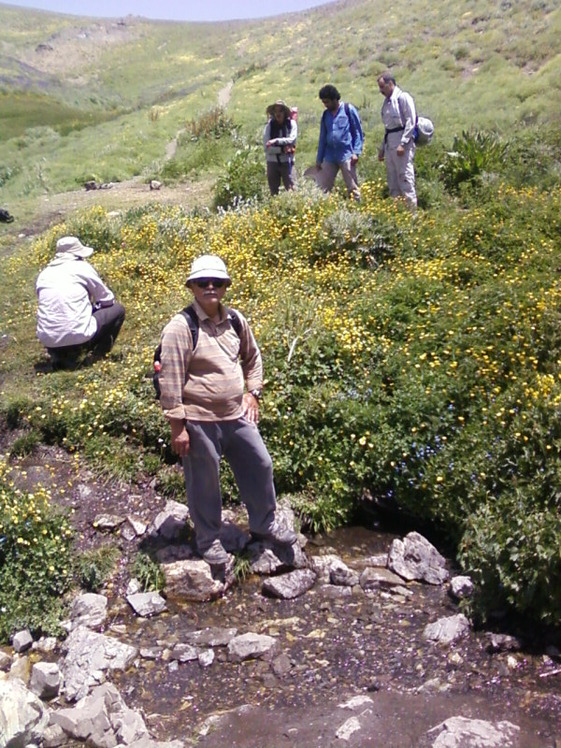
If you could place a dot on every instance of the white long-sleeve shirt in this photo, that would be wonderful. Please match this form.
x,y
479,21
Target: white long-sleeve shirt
x,y
67,289
398,111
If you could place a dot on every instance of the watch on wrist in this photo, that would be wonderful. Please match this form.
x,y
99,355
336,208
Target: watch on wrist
x,y
256,394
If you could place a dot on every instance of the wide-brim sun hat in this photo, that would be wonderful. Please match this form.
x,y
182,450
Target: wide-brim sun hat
x,y
71,245
271,108
209,266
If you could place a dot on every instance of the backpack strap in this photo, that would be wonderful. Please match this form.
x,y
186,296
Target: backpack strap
x,y
351,123
193,322
235,320
402,118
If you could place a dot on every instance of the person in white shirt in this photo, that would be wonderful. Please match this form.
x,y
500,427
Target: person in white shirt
x,y
76,311
398,146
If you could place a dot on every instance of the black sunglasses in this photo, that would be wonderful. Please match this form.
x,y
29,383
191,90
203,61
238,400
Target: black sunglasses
x,y
205,283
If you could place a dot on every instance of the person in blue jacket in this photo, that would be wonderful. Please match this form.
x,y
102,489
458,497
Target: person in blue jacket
x,y
340,142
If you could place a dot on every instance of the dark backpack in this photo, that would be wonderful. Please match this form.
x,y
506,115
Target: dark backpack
x,y
193,321
5,217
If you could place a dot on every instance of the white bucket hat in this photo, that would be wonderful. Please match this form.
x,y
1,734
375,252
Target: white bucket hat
x,y
71,245
209,266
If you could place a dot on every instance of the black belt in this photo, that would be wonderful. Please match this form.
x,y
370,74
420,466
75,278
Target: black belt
x,y
392,129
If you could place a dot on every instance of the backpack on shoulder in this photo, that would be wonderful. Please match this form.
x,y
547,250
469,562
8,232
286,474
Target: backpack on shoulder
x,y
424,127
424,130
193,322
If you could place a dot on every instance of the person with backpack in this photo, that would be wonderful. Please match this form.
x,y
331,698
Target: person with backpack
x,y
212,414
279,141
340,142
76,311
398,146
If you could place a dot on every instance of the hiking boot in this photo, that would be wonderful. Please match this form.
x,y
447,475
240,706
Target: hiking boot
x,y
277,534
216,554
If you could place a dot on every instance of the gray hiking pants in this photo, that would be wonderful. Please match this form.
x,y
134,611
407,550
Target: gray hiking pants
x,y
329,170
241,445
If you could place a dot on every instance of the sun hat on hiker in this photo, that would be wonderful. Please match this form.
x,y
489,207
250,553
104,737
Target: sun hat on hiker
x,y
209,266
280,103
71,245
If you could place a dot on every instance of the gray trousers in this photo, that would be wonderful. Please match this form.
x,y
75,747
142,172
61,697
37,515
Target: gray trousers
x,y
240,443
401,173
326,178
277,171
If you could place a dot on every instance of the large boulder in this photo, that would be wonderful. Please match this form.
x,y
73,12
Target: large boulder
x,y
414,558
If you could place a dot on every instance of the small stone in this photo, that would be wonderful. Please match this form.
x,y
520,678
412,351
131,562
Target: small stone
x,y
22,641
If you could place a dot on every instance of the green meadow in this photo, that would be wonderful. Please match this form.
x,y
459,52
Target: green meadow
x,y
413,361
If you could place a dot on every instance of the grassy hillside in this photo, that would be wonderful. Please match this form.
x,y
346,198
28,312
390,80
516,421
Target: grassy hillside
x,y
85,97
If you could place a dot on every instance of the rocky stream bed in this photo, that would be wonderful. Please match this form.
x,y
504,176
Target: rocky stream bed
x,y
337,650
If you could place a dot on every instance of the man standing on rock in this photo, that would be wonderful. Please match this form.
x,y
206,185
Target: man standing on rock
x,y
204,366
398,146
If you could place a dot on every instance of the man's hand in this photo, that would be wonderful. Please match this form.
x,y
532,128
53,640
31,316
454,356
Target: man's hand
x,y
354,158
400,150
179,438
381,154
251,407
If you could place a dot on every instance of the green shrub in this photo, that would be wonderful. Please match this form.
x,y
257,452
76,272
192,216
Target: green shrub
x,y
473,155
35,562
214,123
244,179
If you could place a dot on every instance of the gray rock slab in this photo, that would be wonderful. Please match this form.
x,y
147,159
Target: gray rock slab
x,y
88,656
102,720
184,653
23,717
461,587
251,646
147,604
447,630
291,585
211,637
460,732
88,609
194,580
22,641
170,522
206,658
45,680
377,578
414,558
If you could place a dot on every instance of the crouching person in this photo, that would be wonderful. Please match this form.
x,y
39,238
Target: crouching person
x,y
211,416
76,311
